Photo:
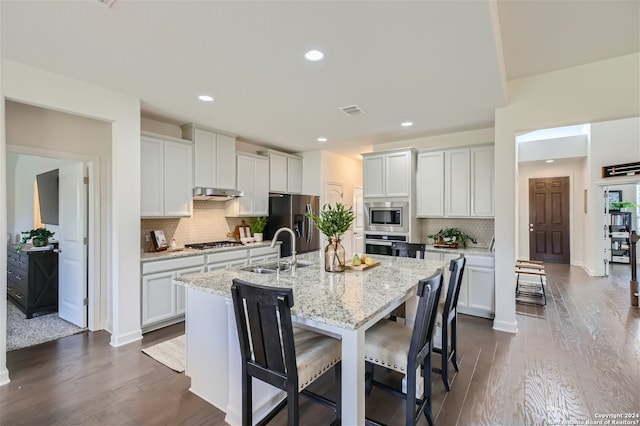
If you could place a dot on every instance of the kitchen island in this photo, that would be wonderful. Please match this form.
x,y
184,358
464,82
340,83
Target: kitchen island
x,y
343,305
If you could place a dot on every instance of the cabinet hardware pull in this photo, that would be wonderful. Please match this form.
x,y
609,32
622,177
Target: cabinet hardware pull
x,y
19,296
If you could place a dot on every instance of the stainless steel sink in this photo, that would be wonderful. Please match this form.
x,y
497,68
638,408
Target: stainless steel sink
x,y
271,268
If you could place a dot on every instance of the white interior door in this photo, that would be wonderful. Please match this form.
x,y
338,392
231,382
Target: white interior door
x,y
358,223
72,260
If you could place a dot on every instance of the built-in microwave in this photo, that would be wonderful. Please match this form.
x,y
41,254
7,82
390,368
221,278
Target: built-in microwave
x,y
386,216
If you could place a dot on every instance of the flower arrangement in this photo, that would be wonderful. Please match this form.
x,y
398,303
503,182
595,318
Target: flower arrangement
x,y
333,222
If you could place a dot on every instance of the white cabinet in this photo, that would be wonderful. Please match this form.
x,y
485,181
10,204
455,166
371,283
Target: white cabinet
x,y
253,181
285,172
163,302
456,183
214,163
226,259
264,254
430,184
166,176
388,174
477,292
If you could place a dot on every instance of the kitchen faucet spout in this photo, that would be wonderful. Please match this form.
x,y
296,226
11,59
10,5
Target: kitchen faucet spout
x,y
294,260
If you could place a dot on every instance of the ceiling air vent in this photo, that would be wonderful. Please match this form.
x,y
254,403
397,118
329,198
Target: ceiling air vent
x,y
352,110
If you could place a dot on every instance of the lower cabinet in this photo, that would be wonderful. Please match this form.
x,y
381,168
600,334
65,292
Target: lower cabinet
x,y
264,254
163,303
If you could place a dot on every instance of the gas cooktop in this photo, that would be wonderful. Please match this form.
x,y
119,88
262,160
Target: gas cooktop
x,y
214,244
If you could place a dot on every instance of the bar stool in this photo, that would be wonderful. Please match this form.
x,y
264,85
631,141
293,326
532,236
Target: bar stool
x,y
399,249
530,292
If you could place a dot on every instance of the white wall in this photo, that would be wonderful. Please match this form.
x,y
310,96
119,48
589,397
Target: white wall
x,y
604,90
571,168
450,140
34,86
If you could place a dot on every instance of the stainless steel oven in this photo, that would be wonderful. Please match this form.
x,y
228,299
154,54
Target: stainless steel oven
x,y
386,216
381,243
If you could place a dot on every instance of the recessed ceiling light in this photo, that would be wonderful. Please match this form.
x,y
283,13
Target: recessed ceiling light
x,y
322,139
205,98
549,161
407,124
314,55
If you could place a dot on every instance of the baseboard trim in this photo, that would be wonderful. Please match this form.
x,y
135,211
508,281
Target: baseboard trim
x,y
4,377
125,339
508,327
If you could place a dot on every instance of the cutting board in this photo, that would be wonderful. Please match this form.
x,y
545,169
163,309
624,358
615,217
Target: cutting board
x,y
362,267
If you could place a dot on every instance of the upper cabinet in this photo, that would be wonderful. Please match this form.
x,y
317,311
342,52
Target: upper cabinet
x,y
214,162
285,172
253,181
166,176
456,183
388,174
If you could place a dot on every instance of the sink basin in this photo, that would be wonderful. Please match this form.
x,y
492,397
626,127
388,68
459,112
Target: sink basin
x,y
271,268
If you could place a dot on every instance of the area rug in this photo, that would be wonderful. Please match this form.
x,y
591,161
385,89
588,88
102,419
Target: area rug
x,y
23,332
171,353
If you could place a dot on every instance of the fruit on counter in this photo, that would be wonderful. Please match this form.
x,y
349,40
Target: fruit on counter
x,y
363,258
369,261
356,260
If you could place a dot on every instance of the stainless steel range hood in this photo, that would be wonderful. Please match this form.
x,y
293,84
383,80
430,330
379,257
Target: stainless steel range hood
x,y
215,194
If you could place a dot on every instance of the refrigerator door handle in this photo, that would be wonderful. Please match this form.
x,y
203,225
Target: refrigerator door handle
x,y
309,223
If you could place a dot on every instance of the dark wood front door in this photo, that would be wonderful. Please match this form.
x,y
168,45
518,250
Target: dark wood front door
x,y
549,219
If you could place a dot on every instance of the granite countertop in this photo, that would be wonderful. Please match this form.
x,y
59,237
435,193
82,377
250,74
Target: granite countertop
x,y
346,300
171,254
471,250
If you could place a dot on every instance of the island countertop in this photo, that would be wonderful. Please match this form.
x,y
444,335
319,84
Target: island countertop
x,y
345,300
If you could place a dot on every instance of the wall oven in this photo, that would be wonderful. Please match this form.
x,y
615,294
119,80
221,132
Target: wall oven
x,y
381,243
387,216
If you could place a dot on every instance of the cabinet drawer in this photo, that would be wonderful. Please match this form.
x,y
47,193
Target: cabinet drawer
x,y
172,264
17,261
227,256
18,293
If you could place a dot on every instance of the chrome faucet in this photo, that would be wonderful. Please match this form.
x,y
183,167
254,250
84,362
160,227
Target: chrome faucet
x,y
294,260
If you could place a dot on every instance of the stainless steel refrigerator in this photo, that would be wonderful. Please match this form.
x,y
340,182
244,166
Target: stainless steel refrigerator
x,y
289,210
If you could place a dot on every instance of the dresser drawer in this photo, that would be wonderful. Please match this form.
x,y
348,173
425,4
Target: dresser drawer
x,y
17,261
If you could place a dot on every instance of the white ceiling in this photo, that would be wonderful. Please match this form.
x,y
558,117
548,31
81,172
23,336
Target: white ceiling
x,y
436,63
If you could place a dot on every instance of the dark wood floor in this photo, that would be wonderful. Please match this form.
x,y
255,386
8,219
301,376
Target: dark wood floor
x,y
574,359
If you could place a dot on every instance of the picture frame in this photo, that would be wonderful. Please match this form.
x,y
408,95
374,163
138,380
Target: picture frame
x,y
614,197
159,240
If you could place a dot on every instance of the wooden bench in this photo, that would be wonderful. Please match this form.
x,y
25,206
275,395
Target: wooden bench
x,y
527,292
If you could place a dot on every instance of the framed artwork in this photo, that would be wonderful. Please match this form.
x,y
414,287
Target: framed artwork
x,y
614,197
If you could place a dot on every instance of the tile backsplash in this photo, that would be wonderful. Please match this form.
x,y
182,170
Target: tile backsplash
x,y
208,223
481,229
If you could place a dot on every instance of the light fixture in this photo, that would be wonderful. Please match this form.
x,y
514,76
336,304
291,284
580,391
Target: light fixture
x,y
549,161
406,123
321,139
314,55
205,98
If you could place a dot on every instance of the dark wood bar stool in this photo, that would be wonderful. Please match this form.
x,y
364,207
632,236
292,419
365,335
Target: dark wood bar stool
x,y
448,320
275,352
394,346
414,250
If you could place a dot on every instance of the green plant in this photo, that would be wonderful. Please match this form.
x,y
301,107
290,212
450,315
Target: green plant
x,y
40,236
333,222
622,205
258,224
453,235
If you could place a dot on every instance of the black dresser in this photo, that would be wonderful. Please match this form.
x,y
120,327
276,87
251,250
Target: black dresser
x,y
32,280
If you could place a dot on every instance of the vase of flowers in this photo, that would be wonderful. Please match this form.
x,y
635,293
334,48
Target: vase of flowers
x,y
333,222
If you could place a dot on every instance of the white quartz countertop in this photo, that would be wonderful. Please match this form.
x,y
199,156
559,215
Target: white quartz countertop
x,y
346,300
470,250
183,252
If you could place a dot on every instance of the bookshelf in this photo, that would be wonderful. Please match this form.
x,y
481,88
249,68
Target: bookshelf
x,y
619,234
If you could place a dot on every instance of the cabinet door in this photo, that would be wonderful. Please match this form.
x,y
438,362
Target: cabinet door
x,y
225,162
398,174
245,181
178,184
261,187
205,170
277,173
482,182
151,177
430,184
158,298
294,175
457,183
373,168
480,291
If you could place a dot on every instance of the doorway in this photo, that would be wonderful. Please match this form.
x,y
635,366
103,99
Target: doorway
x,y
549,219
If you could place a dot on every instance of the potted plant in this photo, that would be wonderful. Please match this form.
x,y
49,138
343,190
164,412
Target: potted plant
x,y
619,205
333,222
257,227
452,237
39,236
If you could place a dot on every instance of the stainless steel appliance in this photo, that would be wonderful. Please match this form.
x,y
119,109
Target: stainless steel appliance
x,y
381,243
213,244
289,211
386,216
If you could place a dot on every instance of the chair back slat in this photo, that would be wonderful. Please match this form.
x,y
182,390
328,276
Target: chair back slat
x,y
414,250
429,292
456,266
